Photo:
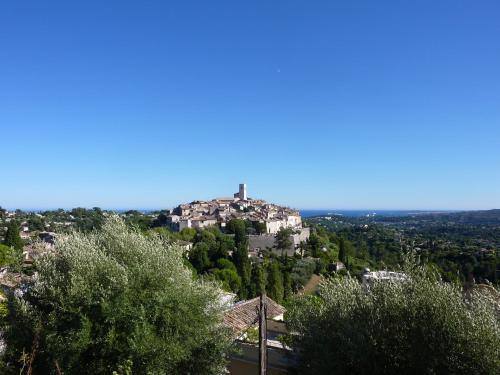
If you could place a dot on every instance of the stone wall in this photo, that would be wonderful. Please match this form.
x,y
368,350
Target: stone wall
x,y
264,241
261,242
302,236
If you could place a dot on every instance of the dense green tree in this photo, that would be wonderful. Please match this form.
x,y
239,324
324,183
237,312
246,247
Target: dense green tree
x,y
342,250
230,279
163,232
86,220
210,240
419,325
12,237
287,264
198,256
35,223
283,240
138,220
287,285
225,245
315,244
240,259
274,285
231,225
238,228
260,227
257,281
463,252
115,300
226,263
7,255
160,221
361,249
219,244
234,283
187,234
240,254
302,271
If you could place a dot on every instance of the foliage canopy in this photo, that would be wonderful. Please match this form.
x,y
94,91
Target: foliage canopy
x,y
418,326
115,299
12,237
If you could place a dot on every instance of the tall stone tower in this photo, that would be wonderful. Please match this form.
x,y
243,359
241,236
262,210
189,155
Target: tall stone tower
x,y
243,192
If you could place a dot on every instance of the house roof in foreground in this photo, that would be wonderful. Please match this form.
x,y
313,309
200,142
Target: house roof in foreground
x,y
244,315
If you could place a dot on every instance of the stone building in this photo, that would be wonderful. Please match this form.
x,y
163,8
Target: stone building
x,y
200,214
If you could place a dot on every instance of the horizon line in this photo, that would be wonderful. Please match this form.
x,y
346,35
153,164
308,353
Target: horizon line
x,y
32,209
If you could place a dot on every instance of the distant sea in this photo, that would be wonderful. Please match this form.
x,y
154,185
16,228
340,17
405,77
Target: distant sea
x,y
359,213
304,213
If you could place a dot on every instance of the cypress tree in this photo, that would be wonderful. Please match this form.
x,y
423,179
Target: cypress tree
x,y
240,256
12,237
274,285
239,229
257,281
342,252
287,285
240,259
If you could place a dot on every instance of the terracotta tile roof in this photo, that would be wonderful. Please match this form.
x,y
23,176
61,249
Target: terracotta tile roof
x,y
243,315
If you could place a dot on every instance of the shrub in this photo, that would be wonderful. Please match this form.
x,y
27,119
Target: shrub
x,y
302,271
417,326
230,279
115,300
7,255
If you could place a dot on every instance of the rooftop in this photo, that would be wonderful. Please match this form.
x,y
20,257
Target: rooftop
x,y
244,314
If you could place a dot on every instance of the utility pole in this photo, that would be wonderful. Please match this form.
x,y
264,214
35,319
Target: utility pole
x,y
262,335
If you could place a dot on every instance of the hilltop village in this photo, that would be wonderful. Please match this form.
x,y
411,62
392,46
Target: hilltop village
x,y
264,221
200,214
267,219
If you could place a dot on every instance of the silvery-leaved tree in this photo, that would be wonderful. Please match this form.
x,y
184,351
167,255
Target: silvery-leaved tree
x,y
416,325
116,301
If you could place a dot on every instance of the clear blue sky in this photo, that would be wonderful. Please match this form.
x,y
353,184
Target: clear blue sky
x,y
314,104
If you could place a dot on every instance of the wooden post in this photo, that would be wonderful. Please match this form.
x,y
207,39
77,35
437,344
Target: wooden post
x,y
262,335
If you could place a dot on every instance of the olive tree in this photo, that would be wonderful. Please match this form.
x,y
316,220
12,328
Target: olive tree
x,y
112,301
419,325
